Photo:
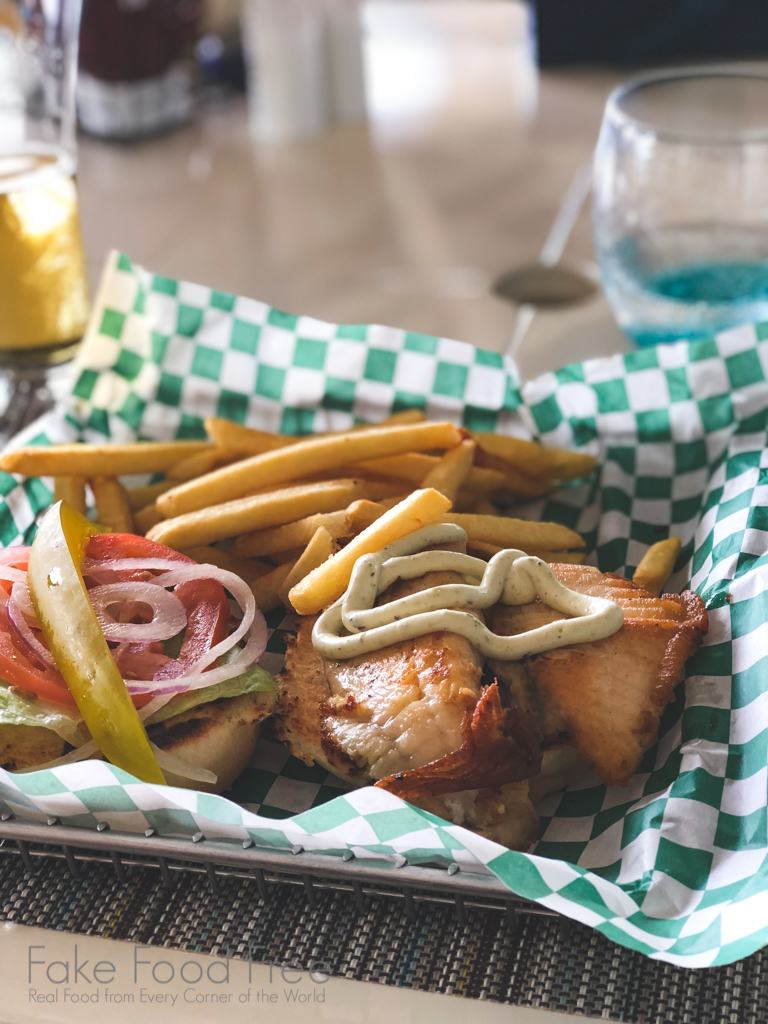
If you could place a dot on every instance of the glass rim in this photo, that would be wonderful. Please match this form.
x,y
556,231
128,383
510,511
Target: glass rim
x,y
616,114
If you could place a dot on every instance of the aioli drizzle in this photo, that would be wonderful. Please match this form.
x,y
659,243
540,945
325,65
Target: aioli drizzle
x,y
353,625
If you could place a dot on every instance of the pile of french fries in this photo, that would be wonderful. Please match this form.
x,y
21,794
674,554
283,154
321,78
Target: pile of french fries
x,y
290,515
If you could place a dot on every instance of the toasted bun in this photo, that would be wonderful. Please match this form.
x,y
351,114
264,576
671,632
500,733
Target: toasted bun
x,y
219,736
24,746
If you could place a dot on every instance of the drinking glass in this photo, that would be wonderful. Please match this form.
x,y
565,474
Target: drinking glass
x,y
680,202
43,287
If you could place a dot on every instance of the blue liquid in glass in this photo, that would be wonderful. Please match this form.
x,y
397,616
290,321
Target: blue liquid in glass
x,y
689,282
743,287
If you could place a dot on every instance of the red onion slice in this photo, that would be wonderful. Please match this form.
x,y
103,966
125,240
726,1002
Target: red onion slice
x,y
154,705
196,680
20,626
23,601
173,765
169,615
175,574
106,571
12,575
252,618
17,553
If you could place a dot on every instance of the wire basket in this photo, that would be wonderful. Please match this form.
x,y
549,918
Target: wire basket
x,y
410,884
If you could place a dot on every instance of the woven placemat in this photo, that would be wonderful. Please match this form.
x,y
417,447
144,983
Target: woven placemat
x,y
538,965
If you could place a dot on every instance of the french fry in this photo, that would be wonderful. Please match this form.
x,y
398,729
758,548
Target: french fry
x,y
452,470
364,512
303,459
343,523
517,533
329,581
147,494
521,485
388,503
197,464
414,467
265,588
239,440
318,551
258,511
485,481
145,518
480,549
515,483
405,416
93,460
379,490
234,437
410,467
72,490
656,565
112,506
293,535
246,568
484,507
281,557
535,459
489,461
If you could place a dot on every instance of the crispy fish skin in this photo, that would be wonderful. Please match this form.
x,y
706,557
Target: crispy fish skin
x,y
608,694
498,746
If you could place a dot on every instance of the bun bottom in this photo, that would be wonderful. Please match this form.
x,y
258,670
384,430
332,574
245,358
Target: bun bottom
x,y
220,736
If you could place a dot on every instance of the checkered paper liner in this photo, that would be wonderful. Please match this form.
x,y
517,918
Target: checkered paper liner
x,y
674,865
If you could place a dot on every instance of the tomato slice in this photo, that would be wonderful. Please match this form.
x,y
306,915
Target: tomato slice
x,y
127,545
205,601
208,617
16,669
16,557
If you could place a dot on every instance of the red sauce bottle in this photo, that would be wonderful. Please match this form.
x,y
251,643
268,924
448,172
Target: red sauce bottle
x,y
136,66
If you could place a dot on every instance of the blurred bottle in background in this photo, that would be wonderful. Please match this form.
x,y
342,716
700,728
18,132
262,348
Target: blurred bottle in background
x,y
137,73
43,287
219,51
305,66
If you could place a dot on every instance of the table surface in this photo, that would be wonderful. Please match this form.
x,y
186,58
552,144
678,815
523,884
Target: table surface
x,y
405,220
247,993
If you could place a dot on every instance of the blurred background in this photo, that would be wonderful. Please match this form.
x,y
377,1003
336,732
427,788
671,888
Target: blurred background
x,y
378,161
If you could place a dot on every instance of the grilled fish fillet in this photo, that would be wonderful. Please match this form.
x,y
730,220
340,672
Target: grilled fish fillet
x,y
416,719
502,812
606,695
414,716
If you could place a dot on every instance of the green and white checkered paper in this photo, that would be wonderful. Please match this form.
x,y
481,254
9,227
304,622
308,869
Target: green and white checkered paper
x,y
675,864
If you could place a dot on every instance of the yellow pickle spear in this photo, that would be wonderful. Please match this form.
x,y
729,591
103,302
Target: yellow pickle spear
x,y
75,640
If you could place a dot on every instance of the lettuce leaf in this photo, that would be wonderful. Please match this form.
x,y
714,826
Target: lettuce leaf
x,y
16,710
254,679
